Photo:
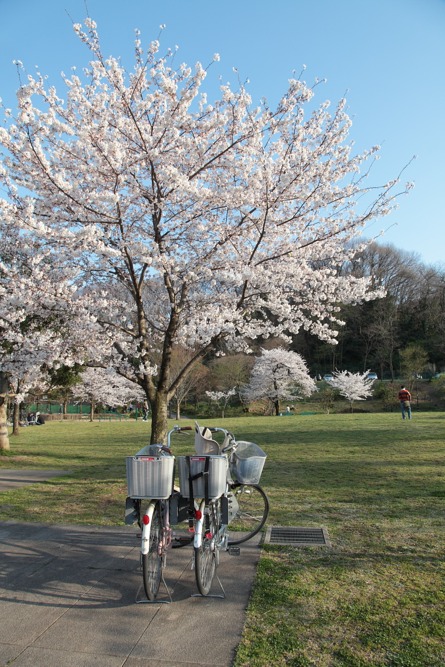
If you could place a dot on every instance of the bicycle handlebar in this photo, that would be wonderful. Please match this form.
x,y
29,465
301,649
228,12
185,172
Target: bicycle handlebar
x,y
176,429
213,429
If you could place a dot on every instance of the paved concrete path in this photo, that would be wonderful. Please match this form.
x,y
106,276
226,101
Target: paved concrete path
x,y
13,479
68,597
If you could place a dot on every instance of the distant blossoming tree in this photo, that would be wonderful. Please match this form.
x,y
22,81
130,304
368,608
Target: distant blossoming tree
x,y
221,398
104,385
279,375
353,386
173,221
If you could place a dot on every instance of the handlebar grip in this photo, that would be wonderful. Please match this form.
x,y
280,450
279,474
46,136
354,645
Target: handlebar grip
x,y
185,428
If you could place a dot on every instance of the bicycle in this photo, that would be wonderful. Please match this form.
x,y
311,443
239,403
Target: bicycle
x,y
237,501
215,491
150,475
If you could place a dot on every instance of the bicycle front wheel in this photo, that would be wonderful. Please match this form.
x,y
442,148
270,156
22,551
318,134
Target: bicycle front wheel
x,y
206,553
252,512
152,561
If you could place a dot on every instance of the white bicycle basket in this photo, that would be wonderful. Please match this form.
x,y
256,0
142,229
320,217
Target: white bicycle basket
x,y
247,462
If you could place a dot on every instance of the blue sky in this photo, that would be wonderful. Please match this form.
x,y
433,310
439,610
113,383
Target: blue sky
x,y
387,56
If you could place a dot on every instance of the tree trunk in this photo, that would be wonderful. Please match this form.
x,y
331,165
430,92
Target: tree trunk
x,y
16,419
159,416
92,411
4,385
277,408
4,440
391,365
178,409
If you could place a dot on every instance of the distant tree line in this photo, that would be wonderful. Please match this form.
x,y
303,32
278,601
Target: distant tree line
x,y
404,329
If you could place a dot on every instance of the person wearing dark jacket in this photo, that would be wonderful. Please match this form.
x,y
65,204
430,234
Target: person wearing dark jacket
x,y
405,402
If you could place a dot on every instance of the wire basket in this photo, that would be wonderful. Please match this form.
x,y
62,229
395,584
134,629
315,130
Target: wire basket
x,y
247,462
217,475
150,476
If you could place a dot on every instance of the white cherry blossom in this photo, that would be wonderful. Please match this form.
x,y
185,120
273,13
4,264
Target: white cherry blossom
x,y
157,220
353,386
279,375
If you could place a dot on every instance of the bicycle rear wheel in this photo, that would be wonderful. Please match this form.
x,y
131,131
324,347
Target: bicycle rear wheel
x,y
252,512
206,554
152,561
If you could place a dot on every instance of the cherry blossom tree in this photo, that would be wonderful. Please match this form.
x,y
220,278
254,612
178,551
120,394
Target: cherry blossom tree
x,y
104,385
221,398
175,221
42,322
279,375
353,386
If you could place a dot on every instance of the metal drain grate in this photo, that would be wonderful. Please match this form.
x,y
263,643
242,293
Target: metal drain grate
x,y
297,537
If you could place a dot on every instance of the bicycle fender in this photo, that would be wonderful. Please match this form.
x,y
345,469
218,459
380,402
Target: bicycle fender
x,y
197,540
146,528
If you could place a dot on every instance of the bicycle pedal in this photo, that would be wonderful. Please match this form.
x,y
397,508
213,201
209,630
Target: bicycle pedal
x,y
234,551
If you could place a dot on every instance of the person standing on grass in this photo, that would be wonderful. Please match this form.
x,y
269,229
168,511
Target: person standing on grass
x,y
405,402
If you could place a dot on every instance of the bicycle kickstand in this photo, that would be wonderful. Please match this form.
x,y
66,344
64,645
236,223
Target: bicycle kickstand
x,y
146,601
212,595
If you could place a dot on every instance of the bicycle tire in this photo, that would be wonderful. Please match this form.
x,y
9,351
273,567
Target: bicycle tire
x,y
179,542
252,513
152,561
206,554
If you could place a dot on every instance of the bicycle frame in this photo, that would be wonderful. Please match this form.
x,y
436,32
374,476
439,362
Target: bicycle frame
x,y
146,528
198,524
220,538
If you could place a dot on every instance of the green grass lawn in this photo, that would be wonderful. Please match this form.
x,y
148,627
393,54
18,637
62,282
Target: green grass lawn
x,y
377,484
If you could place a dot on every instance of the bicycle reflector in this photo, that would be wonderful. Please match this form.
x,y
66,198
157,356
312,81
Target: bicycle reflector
x,y
198,515
145,519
